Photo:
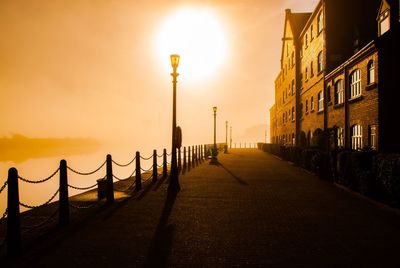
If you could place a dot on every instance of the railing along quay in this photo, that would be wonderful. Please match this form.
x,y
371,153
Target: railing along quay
x,y
190,156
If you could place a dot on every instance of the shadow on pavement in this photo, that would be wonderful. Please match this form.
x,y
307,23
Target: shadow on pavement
x,y
239,180
161,244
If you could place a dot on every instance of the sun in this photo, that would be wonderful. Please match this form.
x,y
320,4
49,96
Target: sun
x,y
198,37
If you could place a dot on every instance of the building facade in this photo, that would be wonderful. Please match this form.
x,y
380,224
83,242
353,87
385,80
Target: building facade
x,y
338,76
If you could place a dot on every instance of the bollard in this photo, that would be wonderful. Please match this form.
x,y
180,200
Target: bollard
x,y
165,169
155,174
13,217
197,156
193,157
109,178
63,204
189,160
184,158
179,160
138,176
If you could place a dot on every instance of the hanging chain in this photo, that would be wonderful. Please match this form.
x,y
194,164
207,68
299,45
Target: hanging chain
x,y
124,165
87,173
39,181
4,186
46,203
82,188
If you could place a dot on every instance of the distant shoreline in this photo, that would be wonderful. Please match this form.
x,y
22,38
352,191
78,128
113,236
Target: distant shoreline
x,y
19,148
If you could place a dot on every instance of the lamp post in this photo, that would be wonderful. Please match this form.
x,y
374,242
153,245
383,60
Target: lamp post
x,y
214,159
174,175
230,141
226,137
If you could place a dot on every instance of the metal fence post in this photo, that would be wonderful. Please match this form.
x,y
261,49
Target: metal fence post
x,y
155,174
179,160
109,178
63,197
184,158
165,169
138,176
13,217
189,160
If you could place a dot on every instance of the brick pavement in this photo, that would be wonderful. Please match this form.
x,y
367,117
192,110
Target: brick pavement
x,y
253,210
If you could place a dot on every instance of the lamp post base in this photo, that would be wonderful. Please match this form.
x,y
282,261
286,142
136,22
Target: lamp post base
x,y
214,161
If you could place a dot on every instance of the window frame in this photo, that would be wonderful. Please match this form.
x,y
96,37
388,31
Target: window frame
x,y
320,101
355,84
356,137
339,92
370,72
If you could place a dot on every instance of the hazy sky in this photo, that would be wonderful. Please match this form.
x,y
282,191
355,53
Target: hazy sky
x,y
90,69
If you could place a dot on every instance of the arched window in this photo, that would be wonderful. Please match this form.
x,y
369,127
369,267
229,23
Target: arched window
x,y
311,69
293,139
371,72
320,21
312,104
320,101
339,94
293,114
320,62
356,137
355,84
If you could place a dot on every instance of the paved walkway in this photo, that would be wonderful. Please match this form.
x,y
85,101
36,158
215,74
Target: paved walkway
x,y
253,210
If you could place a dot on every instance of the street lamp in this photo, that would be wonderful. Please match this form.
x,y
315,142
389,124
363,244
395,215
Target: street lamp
x,y
174,175
214,159
226,137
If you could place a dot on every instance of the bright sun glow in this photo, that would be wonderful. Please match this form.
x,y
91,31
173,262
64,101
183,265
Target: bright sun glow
x,y
198,37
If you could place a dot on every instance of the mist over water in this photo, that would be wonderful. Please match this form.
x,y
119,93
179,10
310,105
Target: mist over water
x,y
39,167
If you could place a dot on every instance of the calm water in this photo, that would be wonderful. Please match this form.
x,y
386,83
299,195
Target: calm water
x,y
40,168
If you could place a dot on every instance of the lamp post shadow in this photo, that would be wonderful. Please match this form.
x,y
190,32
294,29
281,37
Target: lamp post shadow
x,y
161,244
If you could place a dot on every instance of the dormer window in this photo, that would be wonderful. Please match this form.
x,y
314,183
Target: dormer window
x,y
384,22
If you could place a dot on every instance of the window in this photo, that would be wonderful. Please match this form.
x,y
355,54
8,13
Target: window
x,y
301,51
306,106
355,84
339,93
320,101
293,139
328,94
320,62
312,104
356,137
311,32
371,72
384,22
306,74
320,22
372,137
306,40
286,117
311,70
293,114
293,87
283,96
292,59
340,137
287,49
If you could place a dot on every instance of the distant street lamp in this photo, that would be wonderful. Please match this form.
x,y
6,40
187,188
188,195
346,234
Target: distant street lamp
x,y
231,138
214,159
174,176
226,138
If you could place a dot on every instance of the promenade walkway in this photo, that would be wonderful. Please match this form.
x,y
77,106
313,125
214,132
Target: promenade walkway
x,y
253,210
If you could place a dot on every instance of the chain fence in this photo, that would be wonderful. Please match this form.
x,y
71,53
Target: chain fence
x,y
148,158
86,173
32,227
82,188
4,215
83,206
124,165
4,186
39,181
37,206
146,170
127,178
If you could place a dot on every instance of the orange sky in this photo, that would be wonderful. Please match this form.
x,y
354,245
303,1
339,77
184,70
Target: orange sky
x,y
88,69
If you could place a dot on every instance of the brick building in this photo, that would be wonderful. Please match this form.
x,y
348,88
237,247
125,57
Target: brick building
x,y
338,71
